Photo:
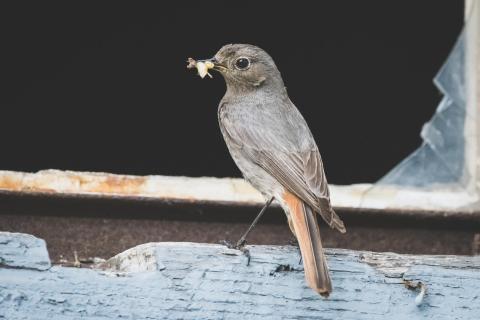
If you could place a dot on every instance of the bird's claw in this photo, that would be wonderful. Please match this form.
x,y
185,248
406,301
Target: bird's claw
x,y
239,246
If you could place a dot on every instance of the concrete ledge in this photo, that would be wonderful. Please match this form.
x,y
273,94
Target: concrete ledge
x,y
205,281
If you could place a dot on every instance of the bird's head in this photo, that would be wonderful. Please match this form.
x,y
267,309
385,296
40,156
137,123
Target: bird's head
x,y
246,67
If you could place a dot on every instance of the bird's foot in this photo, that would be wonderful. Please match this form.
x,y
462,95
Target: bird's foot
x,y
240,245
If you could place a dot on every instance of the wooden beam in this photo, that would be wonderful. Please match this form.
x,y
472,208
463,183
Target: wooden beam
x,y
204,281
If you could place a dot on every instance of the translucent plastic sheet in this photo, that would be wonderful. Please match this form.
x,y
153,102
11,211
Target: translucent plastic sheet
x,y
441,157
444,172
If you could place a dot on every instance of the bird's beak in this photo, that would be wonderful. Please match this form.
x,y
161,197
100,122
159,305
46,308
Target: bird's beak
x,y
214,64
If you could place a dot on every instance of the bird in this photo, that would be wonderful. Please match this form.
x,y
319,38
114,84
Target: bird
x,y
272,145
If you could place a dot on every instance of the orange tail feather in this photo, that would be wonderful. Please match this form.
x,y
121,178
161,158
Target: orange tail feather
x,y
307,232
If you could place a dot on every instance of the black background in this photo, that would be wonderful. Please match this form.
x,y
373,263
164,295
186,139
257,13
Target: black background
x,y
103,86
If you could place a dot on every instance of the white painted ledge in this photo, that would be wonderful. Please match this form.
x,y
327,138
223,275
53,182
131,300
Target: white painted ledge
x,y
230,191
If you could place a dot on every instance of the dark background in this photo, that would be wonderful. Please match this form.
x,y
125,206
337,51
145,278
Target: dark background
x,y
103,87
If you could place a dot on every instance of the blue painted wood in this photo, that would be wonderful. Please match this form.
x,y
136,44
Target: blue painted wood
x,y
203,281
20,250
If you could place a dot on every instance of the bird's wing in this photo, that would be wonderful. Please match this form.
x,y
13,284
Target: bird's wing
x,y
280,142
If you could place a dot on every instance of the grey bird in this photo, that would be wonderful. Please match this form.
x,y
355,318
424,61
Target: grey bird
x,y
274,149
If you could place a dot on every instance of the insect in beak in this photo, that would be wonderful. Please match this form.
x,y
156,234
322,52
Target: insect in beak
x,y
203,66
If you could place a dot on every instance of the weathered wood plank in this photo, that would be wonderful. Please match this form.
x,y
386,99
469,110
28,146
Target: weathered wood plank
x,y
19,250
204,281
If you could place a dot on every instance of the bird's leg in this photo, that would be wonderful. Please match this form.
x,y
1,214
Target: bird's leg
x,y
243,240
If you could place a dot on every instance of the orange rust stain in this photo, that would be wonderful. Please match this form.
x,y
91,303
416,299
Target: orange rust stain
x,y
117,184
80,179
99,184
10,183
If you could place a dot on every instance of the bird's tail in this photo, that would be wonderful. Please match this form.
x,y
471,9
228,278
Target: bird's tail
x,y
306,230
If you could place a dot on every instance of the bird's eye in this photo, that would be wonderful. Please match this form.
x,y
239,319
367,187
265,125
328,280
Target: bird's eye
x,y
242,63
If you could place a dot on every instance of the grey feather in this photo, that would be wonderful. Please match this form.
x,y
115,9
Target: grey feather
x,y
270,131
